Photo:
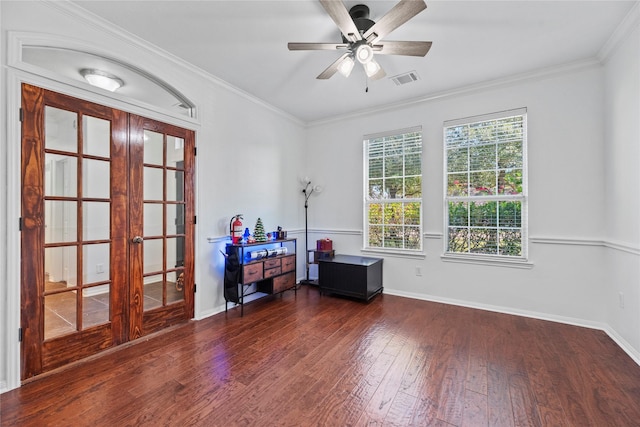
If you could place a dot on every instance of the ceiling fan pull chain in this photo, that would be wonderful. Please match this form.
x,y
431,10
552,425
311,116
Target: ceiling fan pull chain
x,y
366,84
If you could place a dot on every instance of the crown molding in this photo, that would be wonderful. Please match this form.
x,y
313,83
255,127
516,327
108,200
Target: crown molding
x,y
621,33
540,74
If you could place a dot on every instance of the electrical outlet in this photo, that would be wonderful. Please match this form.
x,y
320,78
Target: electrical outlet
x,y
418,271
621,299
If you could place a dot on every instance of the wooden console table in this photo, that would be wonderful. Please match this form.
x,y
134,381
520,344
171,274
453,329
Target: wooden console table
x,y
270,274
354,276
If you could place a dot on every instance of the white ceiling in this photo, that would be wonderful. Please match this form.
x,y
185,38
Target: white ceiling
x,y
245,44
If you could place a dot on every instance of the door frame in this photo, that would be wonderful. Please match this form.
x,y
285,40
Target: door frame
x,y
14,78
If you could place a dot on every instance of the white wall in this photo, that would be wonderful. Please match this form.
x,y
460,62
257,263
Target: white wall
x,y
249,160
566,194
622,190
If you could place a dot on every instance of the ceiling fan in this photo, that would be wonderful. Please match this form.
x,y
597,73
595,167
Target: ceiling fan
x,y
362,37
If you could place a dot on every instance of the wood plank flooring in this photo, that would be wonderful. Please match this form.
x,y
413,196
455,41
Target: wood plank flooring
x,y
311,360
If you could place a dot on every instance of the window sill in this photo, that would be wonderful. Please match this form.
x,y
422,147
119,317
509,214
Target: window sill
x,y
399,253
487,260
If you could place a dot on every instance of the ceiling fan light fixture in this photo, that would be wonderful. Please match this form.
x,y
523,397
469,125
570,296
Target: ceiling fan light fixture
x,y
364,53
102,79
346,66
371,68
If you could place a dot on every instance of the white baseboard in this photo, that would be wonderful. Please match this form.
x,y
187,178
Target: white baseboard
x,y
209,313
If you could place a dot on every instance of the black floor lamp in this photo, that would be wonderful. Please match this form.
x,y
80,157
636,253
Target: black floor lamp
x,y
308,190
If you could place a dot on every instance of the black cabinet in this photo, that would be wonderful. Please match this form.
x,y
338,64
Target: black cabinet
x,y
349,275
255,270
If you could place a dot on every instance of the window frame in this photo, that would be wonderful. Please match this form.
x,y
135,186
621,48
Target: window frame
x,y
367,201
484,258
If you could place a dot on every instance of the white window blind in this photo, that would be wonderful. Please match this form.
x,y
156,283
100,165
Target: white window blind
x,y
393,190
485,185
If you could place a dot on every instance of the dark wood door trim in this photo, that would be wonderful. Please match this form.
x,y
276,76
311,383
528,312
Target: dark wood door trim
x,y
32,234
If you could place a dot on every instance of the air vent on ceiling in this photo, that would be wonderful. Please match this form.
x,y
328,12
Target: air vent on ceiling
x,y
403,79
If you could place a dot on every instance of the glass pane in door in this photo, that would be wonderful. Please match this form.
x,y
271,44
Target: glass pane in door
x,y
96,179
60,130
175,286
59,314
96,217
61,175
175,219
153,148
153,189
95,263
96,136
153,256
59,268
153,219
153,291
175,151
60,222
95,306
175,180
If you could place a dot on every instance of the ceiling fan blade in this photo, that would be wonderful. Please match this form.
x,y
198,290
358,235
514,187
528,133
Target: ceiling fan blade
x,y
333,68
398,15
340,15
317,46
403,48
380,74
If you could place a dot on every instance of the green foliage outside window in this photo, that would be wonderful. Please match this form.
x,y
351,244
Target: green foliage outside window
x,y
484,187
394,191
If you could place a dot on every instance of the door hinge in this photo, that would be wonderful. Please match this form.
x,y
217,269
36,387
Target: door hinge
x,y
20,334
195,151
20,224
195,219
194,288
21,114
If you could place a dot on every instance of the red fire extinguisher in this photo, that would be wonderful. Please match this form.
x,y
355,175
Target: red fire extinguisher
x,y
236,228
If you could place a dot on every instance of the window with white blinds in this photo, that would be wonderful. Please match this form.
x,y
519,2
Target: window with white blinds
x,y
485,185
393,190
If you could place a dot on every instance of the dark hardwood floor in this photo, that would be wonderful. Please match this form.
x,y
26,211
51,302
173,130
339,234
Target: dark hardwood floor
x,y
327,361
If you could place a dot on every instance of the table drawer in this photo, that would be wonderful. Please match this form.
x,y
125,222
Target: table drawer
x,y
252,272
284,282
288,263
271,263
270,272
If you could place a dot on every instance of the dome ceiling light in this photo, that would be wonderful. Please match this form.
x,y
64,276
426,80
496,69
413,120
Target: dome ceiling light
x,y
102,79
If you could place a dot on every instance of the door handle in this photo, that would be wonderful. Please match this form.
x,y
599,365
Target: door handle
x,y
137,239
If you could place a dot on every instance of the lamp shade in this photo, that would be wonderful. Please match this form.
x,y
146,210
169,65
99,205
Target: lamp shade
x,y
346,66
371,68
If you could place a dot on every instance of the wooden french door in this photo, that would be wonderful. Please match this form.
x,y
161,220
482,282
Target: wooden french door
x,y
107,228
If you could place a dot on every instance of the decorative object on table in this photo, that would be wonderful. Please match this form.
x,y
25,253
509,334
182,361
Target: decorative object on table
x,y
307,191
235,227
280,234
324,245
324,250
258,232
266,253
246,235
